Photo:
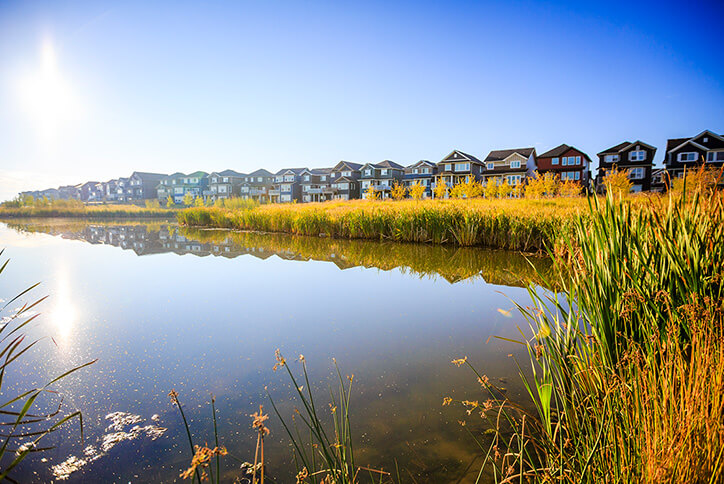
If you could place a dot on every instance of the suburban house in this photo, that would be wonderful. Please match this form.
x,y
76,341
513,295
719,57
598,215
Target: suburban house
x,y
316,186
659,180
142,185
85,190
97,192
225,184
110,190
682,154
514,166
344,179
287,186
256,185
422,172
636,158
178,185
567,162
382,176
458,167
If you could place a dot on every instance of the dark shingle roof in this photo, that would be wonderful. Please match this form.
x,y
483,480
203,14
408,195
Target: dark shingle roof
x,y
296,171
354,166
498,155
321,171
230,173
557,151
673,143
261,172
615,149
388,164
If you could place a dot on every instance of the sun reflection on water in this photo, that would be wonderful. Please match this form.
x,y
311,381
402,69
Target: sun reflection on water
x,y
64,313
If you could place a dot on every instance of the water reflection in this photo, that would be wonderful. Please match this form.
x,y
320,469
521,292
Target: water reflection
x,y
454,264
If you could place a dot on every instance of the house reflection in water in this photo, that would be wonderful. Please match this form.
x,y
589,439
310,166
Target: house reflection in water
x,y
451,263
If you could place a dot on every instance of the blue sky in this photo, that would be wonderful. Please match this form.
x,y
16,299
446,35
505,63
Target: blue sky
x,y
95,90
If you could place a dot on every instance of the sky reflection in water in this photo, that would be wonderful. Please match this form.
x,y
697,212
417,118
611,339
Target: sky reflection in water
x,y
203,312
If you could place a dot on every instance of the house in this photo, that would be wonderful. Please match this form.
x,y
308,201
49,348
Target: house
x,y
344,180
316,185
256,185
86,191
422,172
178,185
458,167
512,165
68,192
142,185
382,176
567,162
287,186
682,154
225,184
659,180
97,192
123,189
636,158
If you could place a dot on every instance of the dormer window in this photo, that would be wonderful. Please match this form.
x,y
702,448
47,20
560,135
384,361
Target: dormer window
x,y
515,164
706,139
637,156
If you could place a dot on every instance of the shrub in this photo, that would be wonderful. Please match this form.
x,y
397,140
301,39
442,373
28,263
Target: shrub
x,y
417,191
616,182
398,191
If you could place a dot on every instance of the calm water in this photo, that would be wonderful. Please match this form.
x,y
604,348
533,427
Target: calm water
x,y
202,312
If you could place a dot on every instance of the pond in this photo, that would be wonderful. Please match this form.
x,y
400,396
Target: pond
x,y
202,312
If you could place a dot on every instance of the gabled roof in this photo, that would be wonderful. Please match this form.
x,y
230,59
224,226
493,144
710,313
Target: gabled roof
x,y
296,171
559,150
260,172
457,155
197,173
624,146
149,176
228,173
348,164
499,155
389,164
421,163
344,179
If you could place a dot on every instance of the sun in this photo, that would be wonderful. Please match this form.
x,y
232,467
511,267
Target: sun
x,y
47,98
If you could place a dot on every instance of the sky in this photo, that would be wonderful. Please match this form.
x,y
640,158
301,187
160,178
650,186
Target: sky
x,y
96,90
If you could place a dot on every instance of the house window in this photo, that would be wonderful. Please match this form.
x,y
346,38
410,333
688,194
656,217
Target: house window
x,y
286,188
714,156
384,171
688,156
578,175
323,178
462,166
259,179
636,173
213,180
289,178
610,158
578,160
279,179
331,175
415,171
564,161
490,166
637,156
554,161
448,167
368,172
425,171
513,179
515,164
347,173
306,177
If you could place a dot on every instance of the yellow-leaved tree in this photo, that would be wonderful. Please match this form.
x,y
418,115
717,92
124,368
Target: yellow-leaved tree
x,y
440,190
416,190
551,184
398,191
198,202
534,187
371,193
472,188
169,202
458,190
570,188
188,199
617,182
504,189
491,188
701,180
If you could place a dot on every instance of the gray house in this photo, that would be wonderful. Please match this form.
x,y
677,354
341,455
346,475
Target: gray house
x,y
287,186
382,176
422,172
225,184
316,186
142,185
256,185
345,182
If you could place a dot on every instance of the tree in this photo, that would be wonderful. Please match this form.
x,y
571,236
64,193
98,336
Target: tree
x,y
153,203
417,191
440,190
551,184
198,202
617,182
188,199
398,191
169,202
534,187
371,192
458,190
473,188
491,188
570,188
504,189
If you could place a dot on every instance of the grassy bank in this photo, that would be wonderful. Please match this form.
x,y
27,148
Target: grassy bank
x,y
81,210
514,224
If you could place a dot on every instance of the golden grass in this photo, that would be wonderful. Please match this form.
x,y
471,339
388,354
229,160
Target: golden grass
x,y
80,210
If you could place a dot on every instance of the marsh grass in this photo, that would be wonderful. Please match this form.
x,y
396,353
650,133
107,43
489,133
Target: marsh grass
x,y
627,362
77,209
524,225
25,418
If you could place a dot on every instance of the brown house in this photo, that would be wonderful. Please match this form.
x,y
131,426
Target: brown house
x,y
568,162
636,159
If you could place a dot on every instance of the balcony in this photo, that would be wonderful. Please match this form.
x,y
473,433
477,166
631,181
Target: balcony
x,y
274,192
257,191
